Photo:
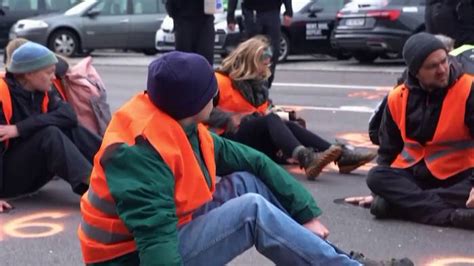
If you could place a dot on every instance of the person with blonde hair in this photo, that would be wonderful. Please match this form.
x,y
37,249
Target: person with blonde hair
x,y
11,47
244,114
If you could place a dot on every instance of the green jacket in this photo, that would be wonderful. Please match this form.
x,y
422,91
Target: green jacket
x,y
147,185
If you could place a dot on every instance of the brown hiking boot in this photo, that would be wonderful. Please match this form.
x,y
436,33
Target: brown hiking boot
x,y
351,159
321,160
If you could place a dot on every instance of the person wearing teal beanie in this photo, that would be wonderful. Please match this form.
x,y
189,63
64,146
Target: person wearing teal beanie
x,y
37,128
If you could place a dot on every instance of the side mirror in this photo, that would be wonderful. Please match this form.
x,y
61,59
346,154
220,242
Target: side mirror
x,y
93,12
315,8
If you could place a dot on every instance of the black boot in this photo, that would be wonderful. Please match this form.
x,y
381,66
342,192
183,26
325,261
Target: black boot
x,y
369,262
463,218
352,159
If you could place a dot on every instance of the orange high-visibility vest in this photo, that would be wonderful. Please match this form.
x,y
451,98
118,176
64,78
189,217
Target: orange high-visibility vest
x,y
231,100
7,107
102,233
451,150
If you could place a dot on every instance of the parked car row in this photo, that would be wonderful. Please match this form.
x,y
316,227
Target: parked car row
x,y
365,29
309,32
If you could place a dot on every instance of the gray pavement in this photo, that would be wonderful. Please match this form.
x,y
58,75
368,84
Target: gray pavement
x,y
336,104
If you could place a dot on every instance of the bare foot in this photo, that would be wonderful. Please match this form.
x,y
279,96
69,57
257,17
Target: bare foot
x,y
363,201
4,206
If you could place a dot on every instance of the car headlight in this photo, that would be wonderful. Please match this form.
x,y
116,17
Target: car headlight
x,y
29,24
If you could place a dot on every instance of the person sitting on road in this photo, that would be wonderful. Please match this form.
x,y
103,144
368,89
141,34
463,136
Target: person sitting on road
x,y
426,156
153,196
39,128
459,55
244,114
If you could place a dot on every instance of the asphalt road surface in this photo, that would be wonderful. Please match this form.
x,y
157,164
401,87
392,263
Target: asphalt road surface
x,y
335,98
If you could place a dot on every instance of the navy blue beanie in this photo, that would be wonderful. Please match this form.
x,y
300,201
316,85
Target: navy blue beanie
x,y
181,84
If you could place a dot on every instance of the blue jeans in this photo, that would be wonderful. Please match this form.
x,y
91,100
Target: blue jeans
x,y
245,213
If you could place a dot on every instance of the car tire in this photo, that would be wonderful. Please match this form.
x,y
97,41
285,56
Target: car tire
x,y
342,55
284,47
365,58
64,42
151,51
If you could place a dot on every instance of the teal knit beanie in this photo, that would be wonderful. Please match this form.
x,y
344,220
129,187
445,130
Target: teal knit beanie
x,y
31,57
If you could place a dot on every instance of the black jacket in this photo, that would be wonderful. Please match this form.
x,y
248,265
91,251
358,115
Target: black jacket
x,y
27,115
185,8
259,6
423,111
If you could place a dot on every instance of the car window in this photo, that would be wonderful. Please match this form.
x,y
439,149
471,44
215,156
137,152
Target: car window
x,y
297,5
148,6
20,5
331,5
112,7
60,5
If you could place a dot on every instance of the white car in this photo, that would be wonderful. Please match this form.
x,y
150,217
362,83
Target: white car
x,y
224,42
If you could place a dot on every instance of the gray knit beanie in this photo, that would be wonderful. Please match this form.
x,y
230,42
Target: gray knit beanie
x,y
31,57
417,48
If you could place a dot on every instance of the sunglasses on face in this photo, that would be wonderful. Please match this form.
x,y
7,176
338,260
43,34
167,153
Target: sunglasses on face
x,y
267,54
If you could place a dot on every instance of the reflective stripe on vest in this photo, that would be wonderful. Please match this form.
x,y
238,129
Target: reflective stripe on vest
x,y
451,150
102,205
103,236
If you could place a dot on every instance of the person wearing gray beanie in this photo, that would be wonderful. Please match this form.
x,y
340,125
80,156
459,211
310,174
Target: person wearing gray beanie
x,y
417,48
38,128
424,135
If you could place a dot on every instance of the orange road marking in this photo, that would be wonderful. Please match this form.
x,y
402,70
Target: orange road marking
x,y
16,227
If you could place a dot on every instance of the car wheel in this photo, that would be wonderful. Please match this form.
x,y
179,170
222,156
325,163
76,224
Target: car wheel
x,y
64,42
342,55
284,47
365,57
151,51
391,55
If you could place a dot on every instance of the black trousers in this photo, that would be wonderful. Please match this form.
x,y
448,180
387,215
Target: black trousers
x,y
270,134
32,162
195,35
266,23
425,200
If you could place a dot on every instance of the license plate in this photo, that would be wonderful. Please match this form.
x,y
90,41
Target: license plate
x,y
355,22
169,38
216,39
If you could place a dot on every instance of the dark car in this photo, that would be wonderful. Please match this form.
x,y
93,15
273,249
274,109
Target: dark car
x,y
311,29
13,10
309,32
377,28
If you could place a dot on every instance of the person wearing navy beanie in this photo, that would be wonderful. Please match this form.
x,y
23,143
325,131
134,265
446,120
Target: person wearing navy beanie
x,y
181,84
159,164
